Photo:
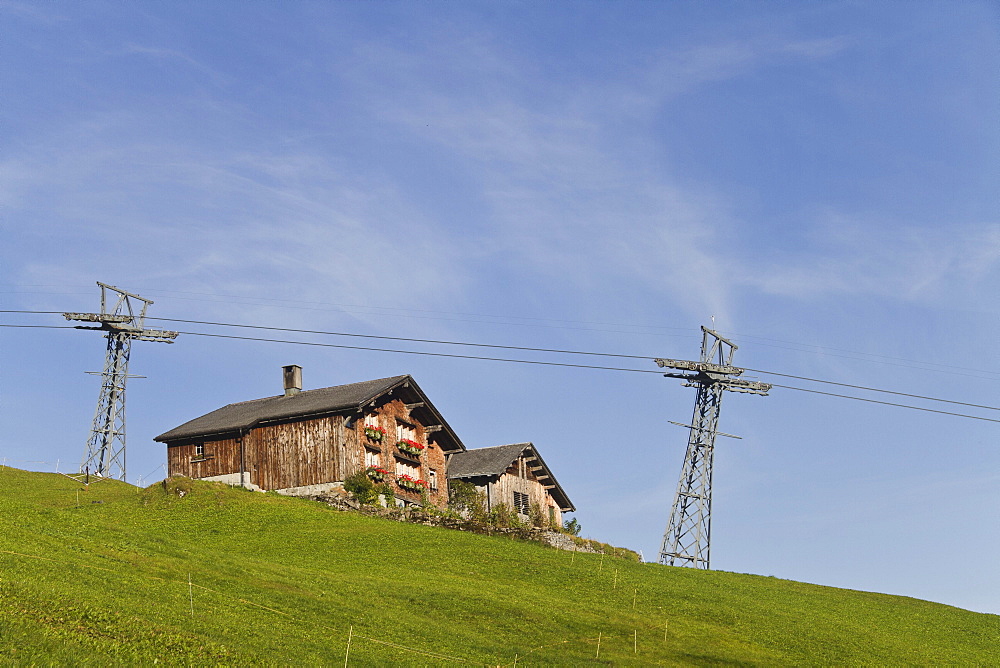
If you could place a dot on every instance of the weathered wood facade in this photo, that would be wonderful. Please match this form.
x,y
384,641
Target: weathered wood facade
x,y
274,456
514,475
305,441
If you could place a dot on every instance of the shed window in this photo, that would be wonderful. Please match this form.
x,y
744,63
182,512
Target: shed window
x,y
199,449
432,478
521,503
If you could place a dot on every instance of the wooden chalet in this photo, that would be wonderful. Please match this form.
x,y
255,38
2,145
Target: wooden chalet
x,y
306,442
515,475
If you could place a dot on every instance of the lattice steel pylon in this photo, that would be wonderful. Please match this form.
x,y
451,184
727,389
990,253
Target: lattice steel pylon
x,y
687,539
105,453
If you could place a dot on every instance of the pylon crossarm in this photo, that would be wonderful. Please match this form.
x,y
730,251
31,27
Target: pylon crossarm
x,y
747,387
98,317
704,367
156,335
121,323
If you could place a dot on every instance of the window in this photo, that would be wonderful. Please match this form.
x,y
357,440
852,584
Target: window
x,y
405,432
371,420
372,458
432,478
406,468
521,503
199,450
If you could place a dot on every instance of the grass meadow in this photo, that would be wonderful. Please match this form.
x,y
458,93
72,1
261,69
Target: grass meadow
x,y
193,573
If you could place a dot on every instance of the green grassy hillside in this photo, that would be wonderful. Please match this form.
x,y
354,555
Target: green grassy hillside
x,y
218,575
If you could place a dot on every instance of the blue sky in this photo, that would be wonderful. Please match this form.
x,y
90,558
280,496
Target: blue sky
x,y
819,177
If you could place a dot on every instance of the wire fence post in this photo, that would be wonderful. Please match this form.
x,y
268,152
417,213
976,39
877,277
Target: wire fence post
x,y
598,655
191,594
347,655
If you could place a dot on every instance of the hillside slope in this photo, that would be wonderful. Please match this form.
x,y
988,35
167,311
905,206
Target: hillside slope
x,y
196,573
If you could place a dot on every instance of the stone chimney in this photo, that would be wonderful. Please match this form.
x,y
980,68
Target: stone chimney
x,y
293,379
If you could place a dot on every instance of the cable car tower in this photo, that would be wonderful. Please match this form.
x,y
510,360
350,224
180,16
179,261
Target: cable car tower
x,y
686,540
123,322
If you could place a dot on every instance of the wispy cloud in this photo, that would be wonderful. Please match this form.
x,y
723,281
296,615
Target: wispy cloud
x,y
572,194
566,193
816,48
32,11
852,256
584,211
171,55
679,71
242,223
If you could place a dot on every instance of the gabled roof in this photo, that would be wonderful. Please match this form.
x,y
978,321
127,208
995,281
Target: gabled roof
x,y
484,461
489,462
239,418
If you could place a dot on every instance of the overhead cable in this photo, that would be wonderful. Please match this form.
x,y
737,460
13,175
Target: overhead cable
x,y
566,352
419,352
537,362
561,364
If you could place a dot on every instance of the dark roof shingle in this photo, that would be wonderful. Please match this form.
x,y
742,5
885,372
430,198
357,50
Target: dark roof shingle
x,y
484,461
242,416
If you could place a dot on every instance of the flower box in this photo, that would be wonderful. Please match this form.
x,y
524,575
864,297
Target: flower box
x,y
410,447
375,433
376,474
408,482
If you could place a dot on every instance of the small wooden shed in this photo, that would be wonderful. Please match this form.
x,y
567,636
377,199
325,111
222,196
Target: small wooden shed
x,y
515,475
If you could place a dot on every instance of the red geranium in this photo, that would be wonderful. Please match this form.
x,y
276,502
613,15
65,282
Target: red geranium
x,y
412,444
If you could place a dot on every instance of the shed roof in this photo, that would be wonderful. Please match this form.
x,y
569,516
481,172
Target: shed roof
x,y
240,417
493,461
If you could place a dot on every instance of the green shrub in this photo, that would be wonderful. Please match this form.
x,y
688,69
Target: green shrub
x,y
462,496
385,489
537,517
362,488
465,498
502,516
